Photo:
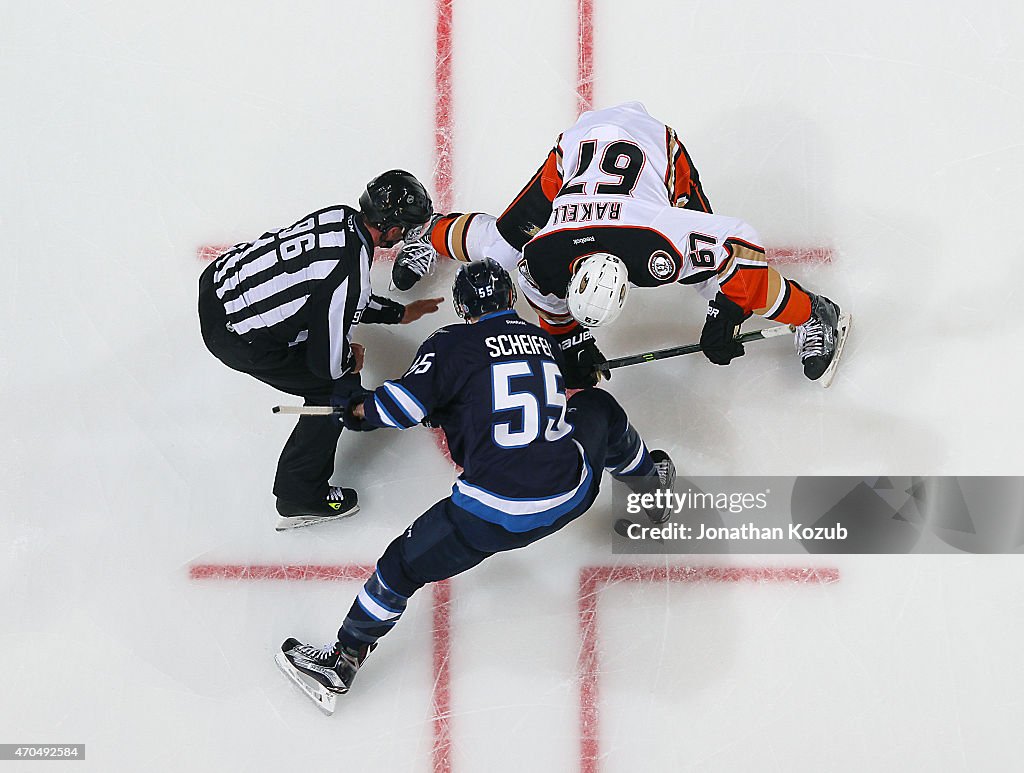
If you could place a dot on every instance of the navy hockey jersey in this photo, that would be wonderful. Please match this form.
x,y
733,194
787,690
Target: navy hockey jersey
x,y
496,389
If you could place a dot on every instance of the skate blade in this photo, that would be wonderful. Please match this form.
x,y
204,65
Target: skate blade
x,y
298,521
842,328
324,699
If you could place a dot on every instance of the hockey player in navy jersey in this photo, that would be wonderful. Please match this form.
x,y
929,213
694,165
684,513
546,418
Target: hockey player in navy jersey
x,y
531,460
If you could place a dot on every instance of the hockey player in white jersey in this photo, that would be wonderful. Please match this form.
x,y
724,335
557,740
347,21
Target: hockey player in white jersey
x,y
657,169
630,177
577,271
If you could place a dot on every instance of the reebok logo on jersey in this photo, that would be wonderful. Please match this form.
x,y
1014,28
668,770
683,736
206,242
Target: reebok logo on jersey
x,y
584,240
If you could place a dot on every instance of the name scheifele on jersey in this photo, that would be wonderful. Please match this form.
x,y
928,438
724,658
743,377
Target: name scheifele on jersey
x,y
518,343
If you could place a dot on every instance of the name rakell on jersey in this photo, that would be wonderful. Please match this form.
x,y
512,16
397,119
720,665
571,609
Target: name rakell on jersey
x,y
586,212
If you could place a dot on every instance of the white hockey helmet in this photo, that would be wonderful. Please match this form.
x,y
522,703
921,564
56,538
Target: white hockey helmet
x,y
597,291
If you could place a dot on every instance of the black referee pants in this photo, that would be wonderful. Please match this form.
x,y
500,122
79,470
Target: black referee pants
x,y
307,461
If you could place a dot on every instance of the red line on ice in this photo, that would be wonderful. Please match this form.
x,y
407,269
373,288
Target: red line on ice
x,y
593,579
444,136
790,255
776,255
585,63
440,698
280,572
443,119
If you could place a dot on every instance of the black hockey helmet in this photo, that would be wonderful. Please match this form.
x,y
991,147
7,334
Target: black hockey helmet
x,y
482,287
395,198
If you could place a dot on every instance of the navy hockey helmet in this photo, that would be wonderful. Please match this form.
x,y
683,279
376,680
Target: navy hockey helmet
x,y
395,198
482,287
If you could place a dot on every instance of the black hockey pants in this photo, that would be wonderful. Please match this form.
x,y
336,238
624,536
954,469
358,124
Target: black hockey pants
x,y
307,461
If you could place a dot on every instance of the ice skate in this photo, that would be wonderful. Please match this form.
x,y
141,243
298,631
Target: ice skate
x,y
661,479
666,471
322,673
339,503
667,476
417,258
819,341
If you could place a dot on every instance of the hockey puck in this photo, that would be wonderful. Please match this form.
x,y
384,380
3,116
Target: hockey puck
x,y
404,278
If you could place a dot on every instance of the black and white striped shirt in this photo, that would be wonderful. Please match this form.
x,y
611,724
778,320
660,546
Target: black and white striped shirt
x,y
308,282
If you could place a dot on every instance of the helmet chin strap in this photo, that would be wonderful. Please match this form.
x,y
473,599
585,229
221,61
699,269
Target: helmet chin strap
x,y
385,242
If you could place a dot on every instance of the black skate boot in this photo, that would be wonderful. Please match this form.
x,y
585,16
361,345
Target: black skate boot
x,y
322,673
666,470
819,341
339,503
661,479
417,257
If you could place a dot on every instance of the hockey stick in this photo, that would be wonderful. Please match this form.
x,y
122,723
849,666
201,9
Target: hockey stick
x,y
676,351
307,410
619,362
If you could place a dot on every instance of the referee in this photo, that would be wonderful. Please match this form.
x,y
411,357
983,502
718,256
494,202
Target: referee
x,y
282,309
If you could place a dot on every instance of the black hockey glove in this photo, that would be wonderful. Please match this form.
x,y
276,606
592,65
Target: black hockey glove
x,y
718,338
345,405
437,417
582,360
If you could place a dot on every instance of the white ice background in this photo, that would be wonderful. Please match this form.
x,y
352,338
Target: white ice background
x,y
132,133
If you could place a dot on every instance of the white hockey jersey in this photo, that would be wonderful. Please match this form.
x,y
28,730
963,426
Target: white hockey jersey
x,y
619,151
658,243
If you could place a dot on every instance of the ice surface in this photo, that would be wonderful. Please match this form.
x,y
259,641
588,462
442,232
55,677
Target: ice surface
x,y
134,133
